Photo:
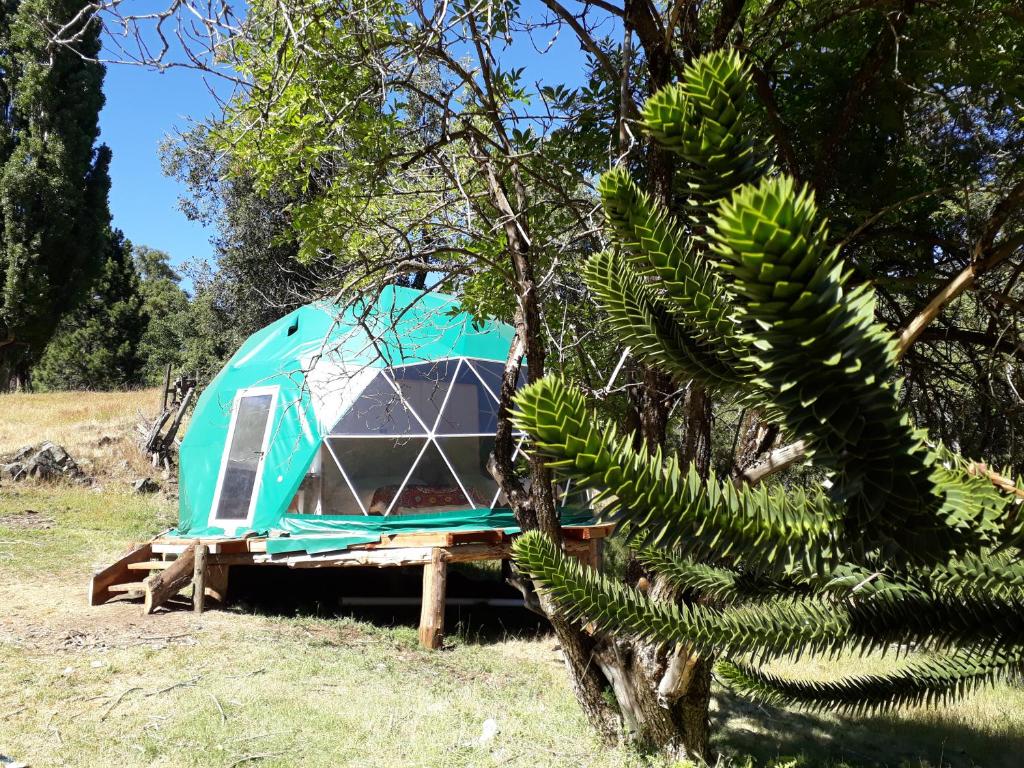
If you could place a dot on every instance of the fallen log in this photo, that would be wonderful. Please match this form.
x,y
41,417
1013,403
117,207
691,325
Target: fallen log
x,y
162,586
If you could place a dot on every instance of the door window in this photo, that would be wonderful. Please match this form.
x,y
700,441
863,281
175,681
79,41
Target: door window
x,y
244,457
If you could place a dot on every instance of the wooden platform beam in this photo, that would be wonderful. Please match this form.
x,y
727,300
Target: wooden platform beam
x,y
435,582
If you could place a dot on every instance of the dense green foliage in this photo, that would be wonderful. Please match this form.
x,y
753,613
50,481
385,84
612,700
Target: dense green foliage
x,y
98,344
897,553
168,311
54,221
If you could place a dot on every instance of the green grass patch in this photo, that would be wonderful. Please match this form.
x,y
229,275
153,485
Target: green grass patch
x,y
60,529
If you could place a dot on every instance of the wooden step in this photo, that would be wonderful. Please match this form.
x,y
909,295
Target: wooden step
x,y
117,573
150,565
131,586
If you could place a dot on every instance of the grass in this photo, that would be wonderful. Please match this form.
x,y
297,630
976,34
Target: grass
x,y
86,686
246,686
96,428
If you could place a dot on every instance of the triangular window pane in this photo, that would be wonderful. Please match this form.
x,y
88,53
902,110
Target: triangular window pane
x,y
335,494
470,409
375,468
469,457
431,488
491,373
425,386
378,411
521,464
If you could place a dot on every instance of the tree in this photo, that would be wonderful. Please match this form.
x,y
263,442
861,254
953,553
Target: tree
x,y
53,181
167,306
152,264
407,145
911,546
259,276
97,346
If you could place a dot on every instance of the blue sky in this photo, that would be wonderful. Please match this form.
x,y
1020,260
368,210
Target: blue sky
x,y
144,106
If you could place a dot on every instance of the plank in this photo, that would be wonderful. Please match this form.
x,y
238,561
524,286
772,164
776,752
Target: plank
x,y
161,586
199,577
175,546
149,565
116,573
586,532
128,586
435,580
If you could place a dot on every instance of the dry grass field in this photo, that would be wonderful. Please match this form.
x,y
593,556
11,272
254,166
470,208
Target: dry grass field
x,y
96,428
286,683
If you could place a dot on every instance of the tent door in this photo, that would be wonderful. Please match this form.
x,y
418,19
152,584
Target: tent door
x,y
245,451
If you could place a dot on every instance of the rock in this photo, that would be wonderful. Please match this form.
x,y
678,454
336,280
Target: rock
x,y
23,453
490,730
145,485
47,461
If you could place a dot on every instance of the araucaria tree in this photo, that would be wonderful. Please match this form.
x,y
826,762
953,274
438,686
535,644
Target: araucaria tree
x,y
907,546
53,182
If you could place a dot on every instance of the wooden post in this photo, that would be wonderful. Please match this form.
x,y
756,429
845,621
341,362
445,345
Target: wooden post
x,y
435,577
167,388
595,553
199,578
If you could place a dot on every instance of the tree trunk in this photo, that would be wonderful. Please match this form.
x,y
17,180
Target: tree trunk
x,y
15,373
664,693
534,506
754,438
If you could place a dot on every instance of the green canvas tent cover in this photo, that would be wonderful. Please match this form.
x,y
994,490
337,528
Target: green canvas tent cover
x,y
331,427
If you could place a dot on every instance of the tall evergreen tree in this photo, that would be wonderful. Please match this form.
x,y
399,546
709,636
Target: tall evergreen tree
x,y
909,547
97,346
54,217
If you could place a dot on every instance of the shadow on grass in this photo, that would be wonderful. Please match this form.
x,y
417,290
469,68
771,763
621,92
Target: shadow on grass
x,y
387,597
915,739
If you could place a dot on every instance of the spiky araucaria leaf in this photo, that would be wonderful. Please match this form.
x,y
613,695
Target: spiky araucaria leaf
x,y
828,366
716,585
642,318
657,246
781,626
770,529
705,119
931,679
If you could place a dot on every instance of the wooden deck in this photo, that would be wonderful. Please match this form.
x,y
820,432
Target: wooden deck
x,y
174,563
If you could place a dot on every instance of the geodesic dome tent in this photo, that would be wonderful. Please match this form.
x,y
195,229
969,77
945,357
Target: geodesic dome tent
x,y
323,431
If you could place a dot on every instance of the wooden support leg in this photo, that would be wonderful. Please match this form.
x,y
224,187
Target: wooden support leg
x,y
199,578
435,577
595,554
217,582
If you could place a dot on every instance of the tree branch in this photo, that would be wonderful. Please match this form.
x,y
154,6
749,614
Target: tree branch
x,y
984,257
866,77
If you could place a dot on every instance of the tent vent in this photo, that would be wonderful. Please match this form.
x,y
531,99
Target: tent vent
x,y
293,327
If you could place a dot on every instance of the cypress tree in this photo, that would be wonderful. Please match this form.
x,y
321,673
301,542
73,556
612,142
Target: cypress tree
x,y
54,181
